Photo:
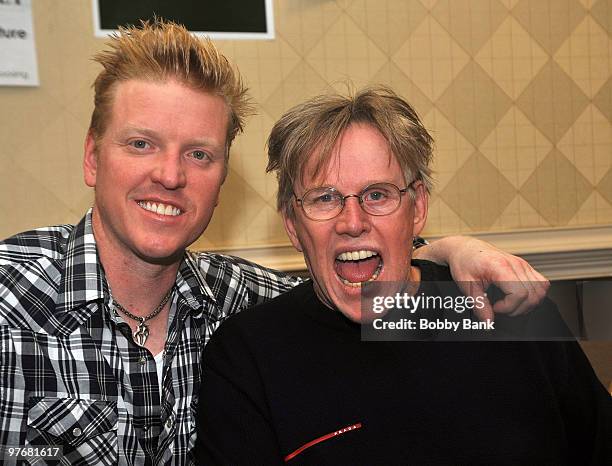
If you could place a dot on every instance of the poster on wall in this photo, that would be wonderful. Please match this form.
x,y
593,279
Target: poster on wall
x,y
17,48
217,19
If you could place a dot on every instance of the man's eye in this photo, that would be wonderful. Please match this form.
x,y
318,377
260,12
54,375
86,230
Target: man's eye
x,y
140,144
376,196
324,198
199,155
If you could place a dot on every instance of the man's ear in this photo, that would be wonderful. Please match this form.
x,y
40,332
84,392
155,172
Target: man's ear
x,y
90,160
421,202
289,221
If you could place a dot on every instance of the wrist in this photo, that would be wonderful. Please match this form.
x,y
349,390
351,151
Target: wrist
x,y
443,251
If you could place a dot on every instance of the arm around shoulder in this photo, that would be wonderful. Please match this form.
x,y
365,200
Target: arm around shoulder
x,y
245,283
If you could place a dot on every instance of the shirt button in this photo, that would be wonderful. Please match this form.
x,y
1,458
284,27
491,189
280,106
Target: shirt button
x,y
142,360
77,432
169,423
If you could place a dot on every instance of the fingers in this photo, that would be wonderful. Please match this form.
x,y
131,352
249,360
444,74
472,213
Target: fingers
x,y
486,313
525,295
540,282
535,285
483,313
515,300
523,286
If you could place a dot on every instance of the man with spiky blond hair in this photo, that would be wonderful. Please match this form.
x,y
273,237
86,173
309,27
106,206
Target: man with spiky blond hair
x,y
102,324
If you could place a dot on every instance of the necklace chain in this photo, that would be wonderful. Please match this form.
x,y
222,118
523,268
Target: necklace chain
x,y
142,331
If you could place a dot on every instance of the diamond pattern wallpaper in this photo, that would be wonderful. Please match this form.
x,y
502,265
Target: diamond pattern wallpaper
x,y
517,93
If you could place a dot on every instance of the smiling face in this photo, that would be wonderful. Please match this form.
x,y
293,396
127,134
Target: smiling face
x,y
355,247
157,169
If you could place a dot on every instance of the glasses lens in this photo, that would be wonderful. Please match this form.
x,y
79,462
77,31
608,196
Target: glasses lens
x,y
381,199
322,203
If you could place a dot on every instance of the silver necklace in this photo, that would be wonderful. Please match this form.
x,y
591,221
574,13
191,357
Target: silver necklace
x,y
142,331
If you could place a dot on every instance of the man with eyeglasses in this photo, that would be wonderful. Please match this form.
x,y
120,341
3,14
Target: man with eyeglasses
x,y
292,382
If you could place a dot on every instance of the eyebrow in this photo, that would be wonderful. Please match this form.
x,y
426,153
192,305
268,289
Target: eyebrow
x,y
365,185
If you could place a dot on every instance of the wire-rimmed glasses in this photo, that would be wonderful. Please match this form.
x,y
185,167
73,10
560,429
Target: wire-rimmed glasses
x,y
327,202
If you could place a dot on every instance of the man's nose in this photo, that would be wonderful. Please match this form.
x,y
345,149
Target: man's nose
x,y
169,170
352,221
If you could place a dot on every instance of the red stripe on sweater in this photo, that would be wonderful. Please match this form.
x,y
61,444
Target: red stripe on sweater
x,y
344,430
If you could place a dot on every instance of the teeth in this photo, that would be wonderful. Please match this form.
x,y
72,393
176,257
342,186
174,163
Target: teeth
x,y
159,208
351,284
356,255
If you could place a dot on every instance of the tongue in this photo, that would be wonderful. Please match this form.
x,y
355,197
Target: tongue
x,y
357,271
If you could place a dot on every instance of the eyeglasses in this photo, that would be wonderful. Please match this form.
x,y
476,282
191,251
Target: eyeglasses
x,y
376,199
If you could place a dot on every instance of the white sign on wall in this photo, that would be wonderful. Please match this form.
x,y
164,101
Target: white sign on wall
x,y
17,49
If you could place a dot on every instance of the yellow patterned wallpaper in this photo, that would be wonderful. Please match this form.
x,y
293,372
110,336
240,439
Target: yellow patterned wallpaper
x,y
518,94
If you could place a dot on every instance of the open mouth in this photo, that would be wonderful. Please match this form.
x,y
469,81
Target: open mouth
x,y
356,267
160,208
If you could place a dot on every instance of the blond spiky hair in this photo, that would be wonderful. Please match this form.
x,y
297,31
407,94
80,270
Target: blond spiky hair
x,y
160,51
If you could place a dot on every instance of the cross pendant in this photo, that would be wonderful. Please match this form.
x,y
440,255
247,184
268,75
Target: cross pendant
x,y
141,334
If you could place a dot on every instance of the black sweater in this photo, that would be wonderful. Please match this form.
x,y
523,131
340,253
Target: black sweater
x,y
292,370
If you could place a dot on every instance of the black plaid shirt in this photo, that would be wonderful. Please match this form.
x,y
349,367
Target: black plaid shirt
x,y
70,373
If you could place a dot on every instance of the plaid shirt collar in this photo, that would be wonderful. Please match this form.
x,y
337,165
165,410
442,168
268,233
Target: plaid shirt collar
x,y
83,283
81,257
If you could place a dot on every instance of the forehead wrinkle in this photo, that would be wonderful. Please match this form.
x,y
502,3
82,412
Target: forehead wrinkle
x,y
137,129
121,88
